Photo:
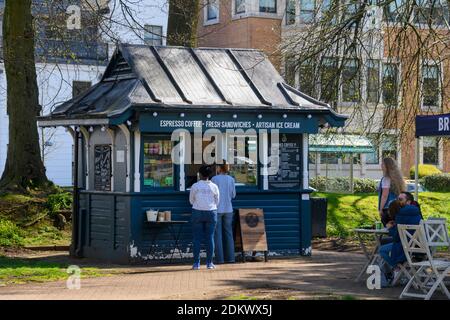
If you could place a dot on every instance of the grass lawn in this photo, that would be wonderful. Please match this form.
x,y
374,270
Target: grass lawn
x,y
349,211
16,271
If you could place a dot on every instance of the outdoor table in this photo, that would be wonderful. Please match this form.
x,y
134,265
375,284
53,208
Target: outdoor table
x,y
374,255
171,227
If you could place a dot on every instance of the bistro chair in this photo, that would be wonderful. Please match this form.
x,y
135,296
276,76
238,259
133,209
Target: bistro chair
x,y
436,233
428,274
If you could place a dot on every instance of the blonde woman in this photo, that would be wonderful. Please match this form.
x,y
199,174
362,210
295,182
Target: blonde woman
x,y
391,185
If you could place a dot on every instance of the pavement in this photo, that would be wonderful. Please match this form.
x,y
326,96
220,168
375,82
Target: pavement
x,y
326,274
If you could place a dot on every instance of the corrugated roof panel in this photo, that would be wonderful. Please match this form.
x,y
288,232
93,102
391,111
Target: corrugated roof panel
x,y
228,77
263,74
189,76
148,68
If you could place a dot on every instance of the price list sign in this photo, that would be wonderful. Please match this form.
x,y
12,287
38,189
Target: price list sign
x,y
288,175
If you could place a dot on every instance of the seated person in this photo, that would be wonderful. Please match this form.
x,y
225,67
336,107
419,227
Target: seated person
x,y
393,253
406,198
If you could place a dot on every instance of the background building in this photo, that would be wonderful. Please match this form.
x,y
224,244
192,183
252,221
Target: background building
x,y
68,62
373,87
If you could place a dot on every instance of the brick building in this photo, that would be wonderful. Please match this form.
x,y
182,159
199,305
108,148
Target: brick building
x,y
268,24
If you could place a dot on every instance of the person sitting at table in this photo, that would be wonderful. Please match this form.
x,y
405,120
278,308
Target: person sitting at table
x,y
224,242
204,197
393,252
406,198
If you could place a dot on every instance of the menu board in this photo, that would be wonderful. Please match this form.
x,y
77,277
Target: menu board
x,y
102,168
288,175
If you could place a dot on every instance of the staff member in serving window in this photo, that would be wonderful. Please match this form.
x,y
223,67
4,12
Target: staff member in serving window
x,y
224,242
204,197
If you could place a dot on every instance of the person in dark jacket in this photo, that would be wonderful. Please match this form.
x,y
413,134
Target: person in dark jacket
x,y
393,253
406,198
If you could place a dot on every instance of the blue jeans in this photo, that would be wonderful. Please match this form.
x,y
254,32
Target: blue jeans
x,y
385,253
224,238
203,225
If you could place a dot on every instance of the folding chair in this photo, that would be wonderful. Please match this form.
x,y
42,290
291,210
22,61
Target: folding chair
x,y
430,273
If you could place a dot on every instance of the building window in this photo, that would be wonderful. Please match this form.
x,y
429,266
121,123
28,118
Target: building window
x,y
329,158
430,85
350,81
373,157
158,166
268,6
307,10
306,78
394,10
289,71
153,35
390,84
429,12
389,147
328,80
79,87
212,10
290,12
431,150
239,6
373,81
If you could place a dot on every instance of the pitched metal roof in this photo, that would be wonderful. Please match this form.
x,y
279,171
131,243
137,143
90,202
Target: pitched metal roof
x,y
140,76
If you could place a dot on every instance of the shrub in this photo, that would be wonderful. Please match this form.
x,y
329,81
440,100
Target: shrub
x,y
343,184
365,185
437,182
59,201
10,234
424,170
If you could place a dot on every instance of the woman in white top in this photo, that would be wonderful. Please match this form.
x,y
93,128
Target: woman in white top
x,y
391,185
204,197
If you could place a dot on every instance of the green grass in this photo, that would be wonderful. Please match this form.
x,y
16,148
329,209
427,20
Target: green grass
x,y
241,297
16,271
349,211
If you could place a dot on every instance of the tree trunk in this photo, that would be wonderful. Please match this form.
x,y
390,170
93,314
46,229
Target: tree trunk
x,y
182,24
24,169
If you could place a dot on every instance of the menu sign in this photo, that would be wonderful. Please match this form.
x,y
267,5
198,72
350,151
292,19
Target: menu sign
x,y
102,168
288,175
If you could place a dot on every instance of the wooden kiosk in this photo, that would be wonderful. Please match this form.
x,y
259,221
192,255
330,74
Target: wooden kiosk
x,y
122,129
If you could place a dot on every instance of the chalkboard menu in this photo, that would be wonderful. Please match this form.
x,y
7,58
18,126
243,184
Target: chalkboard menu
x,y
288,176
102,168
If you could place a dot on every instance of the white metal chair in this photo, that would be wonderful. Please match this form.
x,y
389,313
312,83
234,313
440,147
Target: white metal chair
x,y
429,274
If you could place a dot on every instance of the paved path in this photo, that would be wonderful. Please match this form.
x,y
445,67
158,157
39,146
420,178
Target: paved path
x,y
325,272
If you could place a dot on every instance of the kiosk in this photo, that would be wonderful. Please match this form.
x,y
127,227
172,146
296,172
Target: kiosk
x,y
123,129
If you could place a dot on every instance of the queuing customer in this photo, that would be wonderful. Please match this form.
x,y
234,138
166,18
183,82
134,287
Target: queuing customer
x,y
224,242
204,197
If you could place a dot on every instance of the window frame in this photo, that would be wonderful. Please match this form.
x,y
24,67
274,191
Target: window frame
x,y
430,63
175,168
268,9
153,35
207,5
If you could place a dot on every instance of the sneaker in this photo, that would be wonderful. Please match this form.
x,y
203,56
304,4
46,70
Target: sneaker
x,y
196,266
211,266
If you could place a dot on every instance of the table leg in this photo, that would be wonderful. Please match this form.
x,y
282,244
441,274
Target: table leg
x,y
371,257
176,238
152,245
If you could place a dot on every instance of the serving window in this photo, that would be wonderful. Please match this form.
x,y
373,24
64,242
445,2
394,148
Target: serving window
x,y
158,167
239,151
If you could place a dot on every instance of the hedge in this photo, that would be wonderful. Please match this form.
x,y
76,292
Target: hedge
x,y
360,185
424,170
437,182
